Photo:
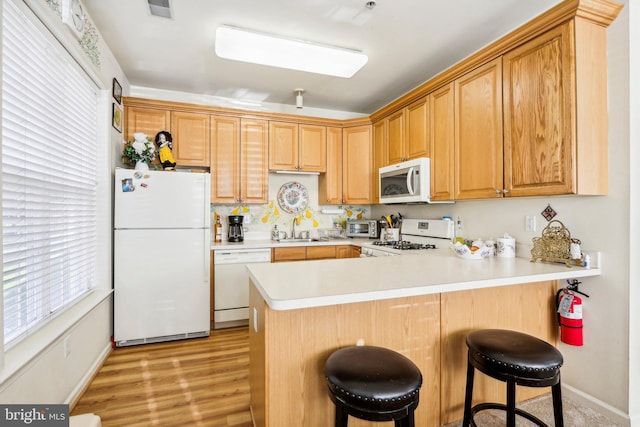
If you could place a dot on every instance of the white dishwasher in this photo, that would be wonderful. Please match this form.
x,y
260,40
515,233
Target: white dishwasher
x,y
231,285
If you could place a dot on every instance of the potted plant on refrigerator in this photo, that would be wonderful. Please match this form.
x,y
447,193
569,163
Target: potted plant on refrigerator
x,y
139,152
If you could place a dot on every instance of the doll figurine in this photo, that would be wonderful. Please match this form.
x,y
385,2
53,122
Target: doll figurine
x,y
165,144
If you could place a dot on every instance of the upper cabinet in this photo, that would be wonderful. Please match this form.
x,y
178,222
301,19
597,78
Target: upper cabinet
x,y
379,155
349,176
357,165
478,132
297,147
552,84
441,122
330,183
239,157
190,133
407,132
147,120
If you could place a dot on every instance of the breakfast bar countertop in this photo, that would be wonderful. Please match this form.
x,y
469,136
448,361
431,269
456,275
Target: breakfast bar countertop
x,y
295,285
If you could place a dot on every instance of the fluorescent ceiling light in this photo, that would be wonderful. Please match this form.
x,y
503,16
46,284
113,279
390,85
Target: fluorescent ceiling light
x,y
249,46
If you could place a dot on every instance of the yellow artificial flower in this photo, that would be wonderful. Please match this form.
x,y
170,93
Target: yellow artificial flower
x,y
276,212
308,213
271,205
236,211
265,218
359,215
245,209
315,223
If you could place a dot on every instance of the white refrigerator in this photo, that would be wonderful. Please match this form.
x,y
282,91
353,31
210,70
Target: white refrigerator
x,y
161,256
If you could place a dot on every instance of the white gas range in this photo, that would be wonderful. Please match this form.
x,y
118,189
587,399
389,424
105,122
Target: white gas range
x,y
416,235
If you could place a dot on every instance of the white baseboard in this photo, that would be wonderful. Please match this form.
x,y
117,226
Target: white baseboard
x,y
613,414
88,376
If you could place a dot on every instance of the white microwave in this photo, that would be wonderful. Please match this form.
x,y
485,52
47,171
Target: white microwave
x,y
406,182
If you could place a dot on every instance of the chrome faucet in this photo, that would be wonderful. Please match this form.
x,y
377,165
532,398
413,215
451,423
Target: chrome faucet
x,y
293,227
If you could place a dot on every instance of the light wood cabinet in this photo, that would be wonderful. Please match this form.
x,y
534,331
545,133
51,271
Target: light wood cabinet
x,y
478,133
147,120
239,153
357,165
442,143
349,177
302,253
191,138
297,147
550,84
330,183
379,156
408,132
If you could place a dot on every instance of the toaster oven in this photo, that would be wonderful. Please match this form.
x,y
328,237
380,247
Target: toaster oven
x,y
364,228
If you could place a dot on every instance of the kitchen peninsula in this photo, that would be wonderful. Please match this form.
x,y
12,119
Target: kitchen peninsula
x,y
419,305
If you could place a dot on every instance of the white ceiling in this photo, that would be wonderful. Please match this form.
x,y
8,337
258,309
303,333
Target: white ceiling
x,y
408,42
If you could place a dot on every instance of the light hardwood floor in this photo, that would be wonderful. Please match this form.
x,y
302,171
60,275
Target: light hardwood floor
x,y
198,382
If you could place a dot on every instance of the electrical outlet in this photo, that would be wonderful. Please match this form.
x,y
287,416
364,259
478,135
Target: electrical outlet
x,y
529,223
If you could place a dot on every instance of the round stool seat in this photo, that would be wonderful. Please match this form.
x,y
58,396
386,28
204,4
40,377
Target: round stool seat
x,y
373,380
503,353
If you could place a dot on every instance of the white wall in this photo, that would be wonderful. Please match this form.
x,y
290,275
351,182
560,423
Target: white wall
x,y
604,372
51,374
633,46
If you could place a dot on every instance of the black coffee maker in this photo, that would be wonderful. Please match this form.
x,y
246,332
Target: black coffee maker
x,y
236,233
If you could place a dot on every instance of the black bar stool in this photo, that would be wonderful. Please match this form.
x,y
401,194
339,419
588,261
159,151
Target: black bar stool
x,y
373,384
517,359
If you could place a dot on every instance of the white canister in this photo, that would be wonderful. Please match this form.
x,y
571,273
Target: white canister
x,y
506,246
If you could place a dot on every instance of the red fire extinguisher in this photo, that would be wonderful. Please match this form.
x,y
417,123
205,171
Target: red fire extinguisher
x,y
569,307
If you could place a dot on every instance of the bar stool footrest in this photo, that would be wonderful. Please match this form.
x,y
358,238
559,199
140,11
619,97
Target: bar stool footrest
x,y
485,406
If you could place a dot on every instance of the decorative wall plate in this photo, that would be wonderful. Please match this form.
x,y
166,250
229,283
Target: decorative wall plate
x,y
293,197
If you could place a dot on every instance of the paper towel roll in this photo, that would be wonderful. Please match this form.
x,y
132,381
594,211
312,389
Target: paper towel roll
x,y
506,246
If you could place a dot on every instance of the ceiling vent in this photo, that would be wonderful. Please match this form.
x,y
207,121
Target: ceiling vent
x,y
160,8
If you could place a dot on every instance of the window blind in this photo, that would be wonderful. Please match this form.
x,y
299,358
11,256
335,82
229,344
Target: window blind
x,y
49,109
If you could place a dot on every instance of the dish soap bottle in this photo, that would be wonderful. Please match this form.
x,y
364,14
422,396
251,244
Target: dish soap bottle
x,y
217,230
275,234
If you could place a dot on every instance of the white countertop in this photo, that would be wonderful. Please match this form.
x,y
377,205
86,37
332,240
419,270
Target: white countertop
x,y
294,285
266,243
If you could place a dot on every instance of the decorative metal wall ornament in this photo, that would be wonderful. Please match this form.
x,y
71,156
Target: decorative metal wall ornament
x,y
548,213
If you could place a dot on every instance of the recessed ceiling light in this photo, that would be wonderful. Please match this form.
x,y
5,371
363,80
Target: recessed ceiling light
x,y
265,49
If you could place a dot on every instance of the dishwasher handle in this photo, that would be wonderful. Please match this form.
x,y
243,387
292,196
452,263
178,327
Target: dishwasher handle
x,y
241,256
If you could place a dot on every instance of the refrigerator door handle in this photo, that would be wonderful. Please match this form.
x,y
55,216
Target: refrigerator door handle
x,y
207,256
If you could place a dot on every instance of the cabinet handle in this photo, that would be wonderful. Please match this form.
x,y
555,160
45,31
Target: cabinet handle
x,y
505,191
498,192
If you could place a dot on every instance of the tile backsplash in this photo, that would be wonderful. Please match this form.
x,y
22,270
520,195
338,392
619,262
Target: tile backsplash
x,y
260,219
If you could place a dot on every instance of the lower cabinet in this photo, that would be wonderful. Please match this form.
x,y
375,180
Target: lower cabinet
x,y
303,253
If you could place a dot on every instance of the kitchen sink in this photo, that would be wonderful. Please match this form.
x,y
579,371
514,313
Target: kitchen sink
x,y
298,240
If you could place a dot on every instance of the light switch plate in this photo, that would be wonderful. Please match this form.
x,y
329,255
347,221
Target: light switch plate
x,y
530,223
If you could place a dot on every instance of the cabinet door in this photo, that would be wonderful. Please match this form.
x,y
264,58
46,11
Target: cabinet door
x,y
478,137
291,253
330,183
312,148
379,156
441,103
147,120
190,132
417,129
357,165
283,146
539,137
321,252
395,138
343,251
254,167
225,159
